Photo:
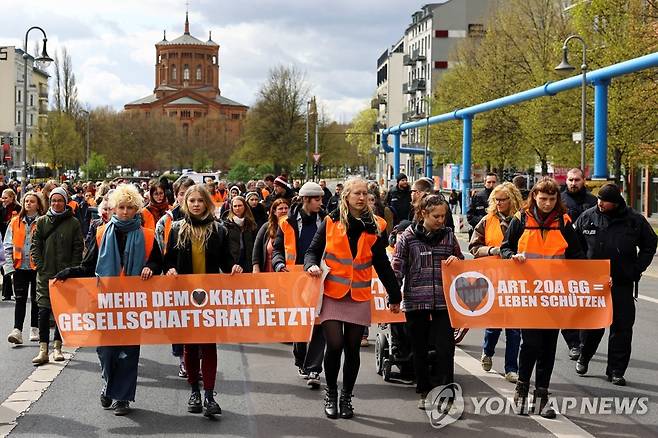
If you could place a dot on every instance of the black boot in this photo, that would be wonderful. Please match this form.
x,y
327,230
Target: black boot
x,y
582,365
331,403
540,400
521,397
346,409
194,403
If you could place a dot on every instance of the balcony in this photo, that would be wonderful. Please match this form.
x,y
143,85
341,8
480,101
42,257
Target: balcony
x,y
417,85
43,107
377,101
408,116
405,88
417,56
406,60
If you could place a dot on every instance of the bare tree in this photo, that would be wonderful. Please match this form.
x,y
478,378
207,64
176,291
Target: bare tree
x,y
66,90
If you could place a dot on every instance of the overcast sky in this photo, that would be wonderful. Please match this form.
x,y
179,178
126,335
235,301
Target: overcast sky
x,y
336,43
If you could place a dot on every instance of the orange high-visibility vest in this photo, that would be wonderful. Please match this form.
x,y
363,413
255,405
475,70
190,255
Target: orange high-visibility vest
x,y
73,205
289,241
493,234
18,241
167,231
148,221
538,243
218,199
345,272
149,236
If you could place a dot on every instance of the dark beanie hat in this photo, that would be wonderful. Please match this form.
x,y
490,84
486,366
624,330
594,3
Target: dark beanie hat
x,y
610,193
401,176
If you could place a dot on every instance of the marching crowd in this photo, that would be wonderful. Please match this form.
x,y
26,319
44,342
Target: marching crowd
x,y
107,229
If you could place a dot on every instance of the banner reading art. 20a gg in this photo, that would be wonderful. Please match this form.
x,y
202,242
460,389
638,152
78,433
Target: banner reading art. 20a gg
x,y
217,308
490,292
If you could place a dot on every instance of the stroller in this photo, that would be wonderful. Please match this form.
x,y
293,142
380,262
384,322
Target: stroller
x,y
393,349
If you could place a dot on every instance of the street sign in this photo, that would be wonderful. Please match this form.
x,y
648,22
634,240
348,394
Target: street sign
x,y
576,137
316,157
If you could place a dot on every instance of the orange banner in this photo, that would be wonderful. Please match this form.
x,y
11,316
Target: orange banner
x,y
223,309
489,293
378,309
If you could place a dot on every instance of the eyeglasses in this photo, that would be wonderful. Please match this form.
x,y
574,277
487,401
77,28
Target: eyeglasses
x,y
501,199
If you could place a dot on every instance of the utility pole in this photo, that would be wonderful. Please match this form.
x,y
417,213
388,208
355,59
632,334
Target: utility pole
x,y
308,105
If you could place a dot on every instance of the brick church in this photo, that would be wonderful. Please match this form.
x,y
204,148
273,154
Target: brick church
x,y
187,88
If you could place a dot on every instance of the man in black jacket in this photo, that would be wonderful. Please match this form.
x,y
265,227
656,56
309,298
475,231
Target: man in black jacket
x,y
479,203
615,232
398,199
297,231
576,199
334,201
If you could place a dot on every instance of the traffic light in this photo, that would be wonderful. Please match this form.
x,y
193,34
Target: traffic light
x,y
302,168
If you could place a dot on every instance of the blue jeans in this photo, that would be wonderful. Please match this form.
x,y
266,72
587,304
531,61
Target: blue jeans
x,y
513,340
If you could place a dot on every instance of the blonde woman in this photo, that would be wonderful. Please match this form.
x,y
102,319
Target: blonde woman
x,y
122,247
504,201
198,244
17,261
350,240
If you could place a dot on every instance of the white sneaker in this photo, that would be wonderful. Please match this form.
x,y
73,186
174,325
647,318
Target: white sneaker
x,y
34,334
512,377
486,362
15,336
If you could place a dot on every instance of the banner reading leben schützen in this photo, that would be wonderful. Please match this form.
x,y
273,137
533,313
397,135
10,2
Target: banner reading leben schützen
x,y
217,308
490,292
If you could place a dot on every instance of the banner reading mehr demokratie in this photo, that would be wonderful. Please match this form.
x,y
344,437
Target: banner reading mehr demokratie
x,y
498,293
217,308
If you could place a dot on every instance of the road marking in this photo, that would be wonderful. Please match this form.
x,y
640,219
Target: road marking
x,y
561,427
646,298
28,392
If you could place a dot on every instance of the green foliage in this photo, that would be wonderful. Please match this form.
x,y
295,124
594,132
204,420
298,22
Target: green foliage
x,y
240,172
57,143
96,167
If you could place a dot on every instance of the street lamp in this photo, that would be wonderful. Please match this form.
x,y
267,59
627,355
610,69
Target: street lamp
x,y
44,61
428,114
87,114
564,66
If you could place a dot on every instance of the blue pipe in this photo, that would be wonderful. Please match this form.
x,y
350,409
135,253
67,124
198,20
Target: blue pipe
x,y
601,129
548,89
429,166
396,155
466,161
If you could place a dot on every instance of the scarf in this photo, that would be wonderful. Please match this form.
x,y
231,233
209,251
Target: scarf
x,y
54,213
239,221
158,210
432,238
544,220
30,219
109,259
199,221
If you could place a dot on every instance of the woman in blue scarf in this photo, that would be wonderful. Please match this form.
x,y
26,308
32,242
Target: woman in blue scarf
x,y
122,247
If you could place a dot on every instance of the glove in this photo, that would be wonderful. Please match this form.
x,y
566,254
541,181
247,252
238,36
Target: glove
x,y
64,274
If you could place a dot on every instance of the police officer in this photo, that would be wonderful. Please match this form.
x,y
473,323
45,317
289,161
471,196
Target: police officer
x,y
576,199
480,202
613,231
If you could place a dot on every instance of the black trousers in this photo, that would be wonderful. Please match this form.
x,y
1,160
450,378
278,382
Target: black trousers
x,y
44,325
425,332
309,355
621,332
25,279
537,348
571,337
7,289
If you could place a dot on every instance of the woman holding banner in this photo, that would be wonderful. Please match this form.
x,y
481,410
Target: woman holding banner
x,y
504,201
419,251
122,247
541,230
261,259
350,241
198,244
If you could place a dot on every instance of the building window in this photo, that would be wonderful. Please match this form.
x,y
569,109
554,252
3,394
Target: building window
x,y
476,30
19,95
31,119
198,72
186,72
185,114
18,116
31,99
214,60
173,72
235,116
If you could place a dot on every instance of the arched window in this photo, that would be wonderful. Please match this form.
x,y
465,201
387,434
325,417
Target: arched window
x,y
186,72
198,72
173,72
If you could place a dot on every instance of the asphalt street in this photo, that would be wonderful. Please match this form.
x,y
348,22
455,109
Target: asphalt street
x,y
261,395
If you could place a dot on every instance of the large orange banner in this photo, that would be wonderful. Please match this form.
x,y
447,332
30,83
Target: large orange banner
x,y
494,293
217,308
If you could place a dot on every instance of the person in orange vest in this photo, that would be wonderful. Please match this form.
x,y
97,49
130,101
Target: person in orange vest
x,y
199,244
18,263
350,242
296,231
9,209
122,247
504,201
218,193
157,206
541,230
